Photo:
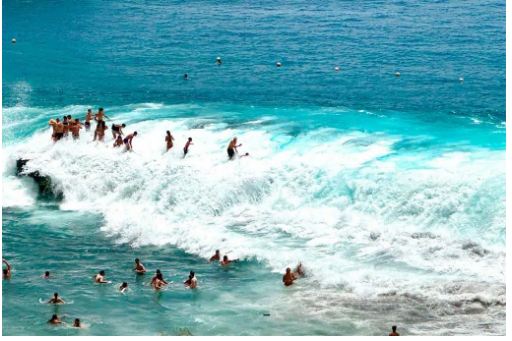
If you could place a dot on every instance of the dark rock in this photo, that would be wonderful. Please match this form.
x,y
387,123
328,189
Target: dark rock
x,y
46,189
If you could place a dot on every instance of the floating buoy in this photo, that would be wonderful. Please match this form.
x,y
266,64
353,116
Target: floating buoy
x,y
337,68
397,74
218,61
278,64
13,40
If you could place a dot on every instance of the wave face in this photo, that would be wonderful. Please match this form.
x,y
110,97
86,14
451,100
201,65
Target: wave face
x,y
368,211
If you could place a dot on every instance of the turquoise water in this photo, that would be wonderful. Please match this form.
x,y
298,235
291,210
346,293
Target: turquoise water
x,y
390,190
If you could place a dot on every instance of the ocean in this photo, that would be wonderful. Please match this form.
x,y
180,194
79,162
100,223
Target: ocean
x,y
389,188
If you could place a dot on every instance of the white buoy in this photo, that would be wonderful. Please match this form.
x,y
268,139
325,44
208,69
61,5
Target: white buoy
x,y
397,74
337,68
13,40
278,64
461,79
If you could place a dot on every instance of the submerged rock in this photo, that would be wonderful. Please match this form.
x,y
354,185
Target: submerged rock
x,y
44,183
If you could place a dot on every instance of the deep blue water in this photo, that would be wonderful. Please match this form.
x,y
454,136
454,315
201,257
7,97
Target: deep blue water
x,y
390,190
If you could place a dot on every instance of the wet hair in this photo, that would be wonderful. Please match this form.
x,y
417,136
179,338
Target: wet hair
x,y
77,322
55,294
123,125
69,116
168,132
394,328
158,271
288,269
54,317
217,251
77,120
102,272
225,257
137,260
89,110
190,139
134,133
124,285
159,276
65,118
58,120
100,109
192,273
5,271
47,273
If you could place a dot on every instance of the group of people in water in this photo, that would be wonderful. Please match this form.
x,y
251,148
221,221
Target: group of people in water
x,y
157,281
62,129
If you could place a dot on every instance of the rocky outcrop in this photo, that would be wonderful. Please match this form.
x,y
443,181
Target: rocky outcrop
x,y
46,189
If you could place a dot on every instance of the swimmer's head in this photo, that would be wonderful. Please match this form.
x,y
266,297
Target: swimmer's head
x,y
102,272
135,133
192,273
57,120
137,260
158,271
190,139
394,329
89,110
225,258
288,270
246,154
5,272
217,252
100,109
77,120
168,132
69,116
77,323
47,273
55,294
123,125
124,285
54,317
159,276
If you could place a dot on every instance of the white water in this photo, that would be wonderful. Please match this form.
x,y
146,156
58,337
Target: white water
x,y
355,218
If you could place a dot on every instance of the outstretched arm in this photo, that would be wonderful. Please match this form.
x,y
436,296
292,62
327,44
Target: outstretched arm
x,y
8,265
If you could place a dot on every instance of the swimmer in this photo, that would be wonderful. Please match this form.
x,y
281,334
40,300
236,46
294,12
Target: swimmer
x,y
288,277
159,276
116,130
65,123
75,129
246,154
168,139
100,277
225,261
88,119
77,324
46,275
100,131
216,256
128,140
123,287
218,61
159,282
139,267
232,148
58,130
118,142
185,76
100,115
191,282
56,299
393,332
6,273
54,320
187,145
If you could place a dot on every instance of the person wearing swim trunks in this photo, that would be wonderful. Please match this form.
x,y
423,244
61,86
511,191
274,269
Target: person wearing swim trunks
x,y
88,119
232,148
168,139
100,115
54,320
159,282
157,275
56,299
191,282
6,273
100,131
100,277
288,277
75,129
65,123
128,140
116,130
139,267
59,130
216,256
118,142
187,145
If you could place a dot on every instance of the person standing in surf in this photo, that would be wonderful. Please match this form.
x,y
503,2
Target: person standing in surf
x,y
168,139
187,145
191,282
99,134
232,148
139,267
100,278
88,119
56,299
75,129
100,115
128,140
117,130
